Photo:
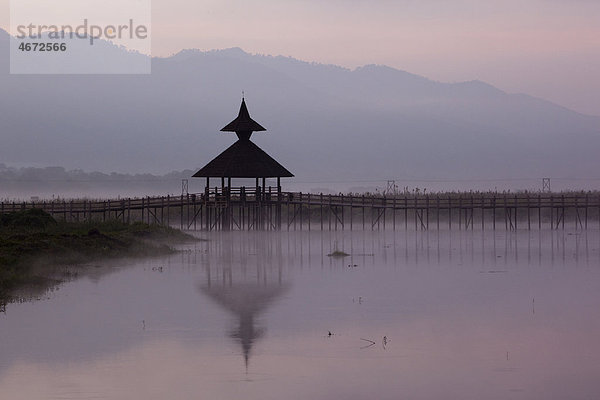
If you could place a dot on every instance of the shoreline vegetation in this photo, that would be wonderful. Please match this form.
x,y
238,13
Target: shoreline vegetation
x,y
33,244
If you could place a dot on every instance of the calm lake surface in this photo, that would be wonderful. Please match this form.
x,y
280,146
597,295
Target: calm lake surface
x,y
425,315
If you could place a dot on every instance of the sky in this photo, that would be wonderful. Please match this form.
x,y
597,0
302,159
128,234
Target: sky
x,y
546,48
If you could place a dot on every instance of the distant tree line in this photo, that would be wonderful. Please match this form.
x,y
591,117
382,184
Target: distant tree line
x,y
60,174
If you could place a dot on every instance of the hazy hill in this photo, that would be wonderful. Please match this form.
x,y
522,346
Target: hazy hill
x,y
324,122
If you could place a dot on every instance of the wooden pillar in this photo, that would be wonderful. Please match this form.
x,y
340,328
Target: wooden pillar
x,y
363,211
563,212
528,212
329,213
539,212
405,213
482,213
393,213
181,212
287,213
505,213
384,205
472,212
460,212
309,212
301,209
427,205
551,212
449,213
278,209
416,214
586,209
577,219
321,201
516,208
494,211
437,214
373,212
168,210
195,214
342,214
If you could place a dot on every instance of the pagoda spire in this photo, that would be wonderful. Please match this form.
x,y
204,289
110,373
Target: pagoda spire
x,y
243,159
243,125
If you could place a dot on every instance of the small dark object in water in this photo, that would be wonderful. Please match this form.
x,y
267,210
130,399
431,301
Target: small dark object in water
x,y
338,253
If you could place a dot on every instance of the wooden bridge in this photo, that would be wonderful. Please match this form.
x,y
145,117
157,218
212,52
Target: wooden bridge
x,y
256,209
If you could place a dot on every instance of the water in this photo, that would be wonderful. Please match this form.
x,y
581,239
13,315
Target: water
x,y
458,315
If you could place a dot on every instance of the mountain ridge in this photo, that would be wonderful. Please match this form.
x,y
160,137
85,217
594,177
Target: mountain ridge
x,y
324,122
239,53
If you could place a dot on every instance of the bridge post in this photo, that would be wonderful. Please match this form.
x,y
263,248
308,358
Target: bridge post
x,y
482,212
437,214
363,211
405,212
384,201
309,213
351,209
329,212
321,201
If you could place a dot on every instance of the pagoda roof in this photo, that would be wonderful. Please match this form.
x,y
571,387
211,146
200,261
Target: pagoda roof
x,y
243,122
243,159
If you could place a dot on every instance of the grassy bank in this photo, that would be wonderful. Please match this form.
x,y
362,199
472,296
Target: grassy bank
x,y
31,242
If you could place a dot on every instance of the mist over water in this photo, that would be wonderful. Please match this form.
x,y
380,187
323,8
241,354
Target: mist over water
x,y
419,315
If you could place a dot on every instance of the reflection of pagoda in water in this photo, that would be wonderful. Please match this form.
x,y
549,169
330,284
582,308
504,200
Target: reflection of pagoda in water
x,y
246,300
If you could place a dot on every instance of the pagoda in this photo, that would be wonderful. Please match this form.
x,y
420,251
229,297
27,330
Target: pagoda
x,y
243,159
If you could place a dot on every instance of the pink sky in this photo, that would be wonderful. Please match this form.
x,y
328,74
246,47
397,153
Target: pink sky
x,y
546,48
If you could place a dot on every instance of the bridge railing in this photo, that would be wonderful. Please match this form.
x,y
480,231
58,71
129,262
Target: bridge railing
x,y
220,196
440,201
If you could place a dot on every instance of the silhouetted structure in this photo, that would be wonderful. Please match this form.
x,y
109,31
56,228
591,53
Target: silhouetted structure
x,y
243,159
262,211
